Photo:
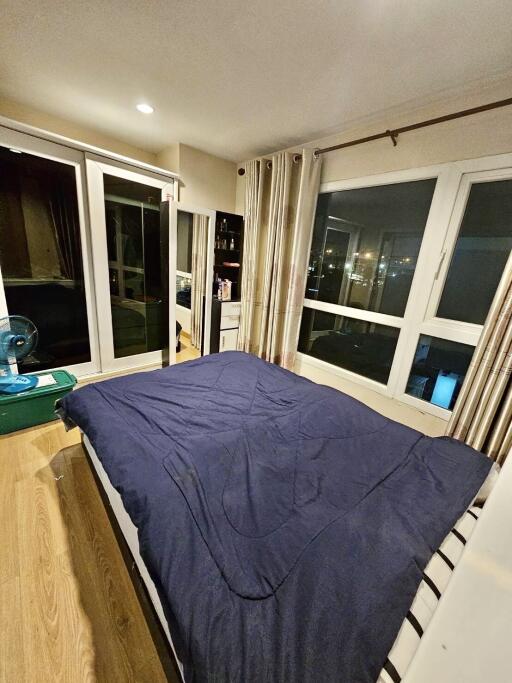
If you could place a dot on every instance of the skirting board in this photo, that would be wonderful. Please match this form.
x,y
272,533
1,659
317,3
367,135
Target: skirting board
x,y
127,538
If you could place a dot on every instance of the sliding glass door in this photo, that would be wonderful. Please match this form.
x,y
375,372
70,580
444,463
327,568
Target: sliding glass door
x,y
125,228
44,264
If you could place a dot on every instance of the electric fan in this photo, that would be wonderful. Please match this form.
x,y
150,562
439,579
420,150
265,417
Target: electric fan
x,y
18,337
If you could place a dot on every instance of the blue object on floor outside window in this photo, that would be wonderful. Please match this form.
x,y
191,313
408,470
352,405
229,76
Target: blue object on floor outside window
x,y
444,388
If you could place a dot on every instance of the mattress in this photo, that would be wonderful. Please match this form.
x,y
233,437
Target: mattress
x,y
257,580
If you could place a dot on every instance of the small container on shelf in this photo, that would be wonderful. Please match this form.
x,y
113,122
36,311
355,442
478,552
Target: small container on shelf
x,y
226,290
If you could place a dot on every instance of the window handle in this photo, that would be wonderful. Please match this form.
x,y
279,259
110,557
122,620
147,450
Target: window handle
x,y
443,254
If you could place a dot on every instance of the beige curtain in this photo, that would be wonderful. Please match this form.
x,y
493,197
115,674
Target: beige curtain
x,y
199,247
279,212
255,172
482,416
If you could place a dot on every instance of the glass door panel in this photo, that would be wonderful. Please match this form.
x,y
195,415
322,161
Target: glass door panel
x,y
191,257
42,252
125,222
132,218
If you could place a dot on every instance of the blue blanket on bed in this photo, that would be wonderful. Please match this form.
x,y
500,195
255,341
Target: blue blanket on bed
x,y
286,525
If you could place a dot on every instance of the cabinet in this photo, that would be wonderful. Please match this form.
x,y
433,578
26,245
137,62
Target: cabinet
x,y
225,324
228,340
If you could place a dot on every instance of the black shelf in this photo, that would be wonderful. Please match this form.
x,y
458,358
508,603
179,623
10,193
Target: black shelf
x,y
219,232
234,229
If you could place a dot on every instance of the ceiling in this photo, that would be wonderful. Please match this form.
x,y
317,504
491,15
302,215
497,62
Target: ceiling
x,y
239,79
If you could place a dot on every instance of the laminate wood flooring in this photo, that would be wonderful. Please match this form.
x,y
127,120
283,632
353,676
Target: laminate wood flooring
x,y
68,610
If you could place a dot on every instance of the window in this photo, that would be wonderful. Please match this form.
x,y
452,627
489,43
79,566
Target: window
x,y
481,251
41,256
438,370
356,345
401,275
366,244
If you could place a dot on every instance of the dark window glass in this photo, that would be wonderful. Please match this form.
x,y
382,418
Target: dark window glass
x,y
438,370
41,257
132,213
359,346
481,251
366,244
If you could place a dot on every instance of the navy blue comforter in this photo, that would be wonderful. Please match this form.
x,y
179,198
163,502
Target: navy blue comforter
x,y
286,525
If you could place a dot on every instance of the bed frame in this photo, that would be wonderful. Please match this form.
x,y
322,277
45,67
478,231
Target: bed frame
x,y
145,589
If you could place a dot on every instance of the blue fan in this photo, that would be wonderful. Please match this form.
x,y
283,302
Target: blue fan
x,y
18,338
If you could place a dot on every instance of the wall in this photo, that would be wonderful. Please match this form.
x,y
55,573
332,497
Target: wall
x,y
33,117
205,180
483,134
390,407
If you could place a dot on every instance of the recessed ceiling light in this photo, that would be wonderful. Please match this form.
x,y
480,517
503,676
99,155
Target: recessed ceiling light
x,y
145,108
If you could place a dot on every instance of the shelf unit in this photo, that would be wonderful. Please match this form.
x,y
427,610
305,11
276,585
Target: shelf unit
x,y
225,316
228,227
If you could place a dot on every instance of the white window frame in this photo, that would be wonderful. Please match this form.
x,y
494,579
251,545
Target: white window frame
x,y
55,152
454,182
96,168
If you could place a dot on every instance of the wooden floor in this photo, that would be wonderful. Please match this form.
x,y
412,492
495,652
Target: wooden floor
x,y
187,351
68,611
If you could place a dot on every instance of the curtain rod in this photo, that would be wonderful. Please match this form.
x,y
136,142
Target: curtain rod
x,y
393,134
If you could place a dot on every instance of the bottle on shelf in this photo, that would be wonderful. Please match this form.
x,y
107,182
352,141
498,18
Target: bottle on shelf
x,y
232,244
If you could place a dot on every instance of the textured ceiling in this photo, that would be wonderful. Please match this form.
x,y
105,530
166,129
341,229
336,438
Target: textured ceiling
x,y
236,78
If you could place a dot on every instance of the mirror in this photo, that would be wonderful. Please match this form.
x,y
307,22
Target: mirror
x,y
191,261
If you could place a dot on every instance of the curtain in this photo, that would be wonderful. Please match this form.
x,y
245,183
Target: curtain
x,y
279,211
482,416
254,182
64,216
199,247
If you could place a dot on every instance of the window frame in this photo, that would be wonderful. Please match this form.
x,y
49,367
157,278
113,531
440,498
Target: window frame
x,y
65,155
449,201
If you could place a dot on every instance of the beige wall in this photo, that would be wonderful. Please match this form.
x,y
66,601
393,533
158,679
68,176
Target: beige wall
x,y
53,124
390,407
205,180
479,135
475,136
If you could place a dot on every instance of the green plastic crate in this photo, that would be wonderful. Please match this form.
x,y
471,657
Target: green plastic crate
x,y
35,406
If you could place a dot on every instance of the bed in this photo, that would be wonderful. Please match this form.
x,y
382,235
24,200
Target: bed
x,y
283,529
